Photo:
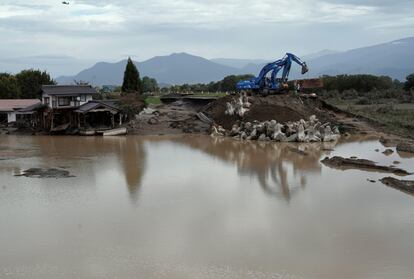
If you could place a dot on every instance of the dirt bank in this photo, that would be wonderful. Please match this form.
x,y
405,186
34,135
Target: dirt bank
x,y
402,185
168,119
289,107
181,117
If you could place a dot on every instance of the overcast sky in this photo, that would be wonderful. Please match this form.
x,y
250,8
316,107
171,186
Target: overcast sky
x,y
114,29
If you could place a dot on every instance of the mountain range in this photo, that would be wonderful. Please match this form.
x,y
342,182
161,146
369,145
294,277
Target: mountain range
x,y
395,59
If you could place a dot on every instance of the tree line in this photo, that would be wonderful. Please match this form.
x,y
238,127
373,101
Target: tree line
x,y
228,84
368,89
25,85
340,83
133,83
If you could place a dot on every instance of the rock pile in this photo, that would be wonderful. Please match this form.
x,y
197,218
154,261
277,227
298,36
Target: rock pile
x,y
299,131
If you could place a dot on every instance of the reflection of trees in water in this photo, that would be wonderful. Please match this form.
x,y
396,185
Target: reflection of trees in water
x,y
128,150
133,159
280,168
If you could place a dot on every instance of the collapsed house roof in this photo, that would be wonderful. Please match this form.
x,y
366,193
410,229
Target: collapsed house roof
x,y
99,105
16,104
68,90
31,109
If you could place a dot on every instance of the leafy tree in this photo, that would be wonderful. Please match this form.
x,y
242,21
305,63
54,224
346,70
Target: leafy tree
x,y
130,104
9,88
149,84
229,82
409,84
30,83
132,82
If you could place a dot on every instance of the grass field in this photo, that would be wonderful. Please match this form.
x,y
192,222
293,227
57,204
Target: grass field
x,y
397,118
377,106
209,94
153,100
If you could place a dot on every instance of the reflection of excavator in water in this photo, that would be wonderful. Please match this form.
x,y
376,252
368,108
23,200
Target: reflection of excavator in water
x,y
267,81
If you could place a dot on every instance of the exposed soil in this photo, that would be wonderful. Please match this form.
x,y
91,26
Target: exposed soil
x,y
406,147
46,173
388,152
349,163
288,107
181,117
168,119
402,185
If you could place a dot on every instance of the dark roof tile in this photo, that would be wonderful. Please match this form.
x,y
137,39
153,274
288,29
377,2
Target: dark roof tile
x,y
91,105
31,109
68,89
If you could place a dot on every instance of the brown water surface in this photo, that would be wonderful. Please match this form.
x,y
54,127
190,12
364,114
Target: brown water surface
x,y
199,207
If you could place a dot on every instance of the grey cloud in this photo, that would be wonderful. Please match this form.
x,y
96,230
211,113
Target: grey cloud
x,y
226,28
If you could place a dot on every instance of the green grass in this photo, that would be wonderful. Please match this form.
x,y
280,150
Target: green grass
x,y
397,118
400,121
153,100
376,106
219,94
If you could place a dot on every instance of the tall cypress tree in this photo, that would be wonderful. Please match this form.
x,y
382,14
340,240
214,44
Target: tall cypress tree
x,y
132,82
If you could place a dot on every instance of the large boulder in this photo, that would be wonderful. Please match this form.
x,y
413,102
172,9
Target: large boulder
x,y
278,135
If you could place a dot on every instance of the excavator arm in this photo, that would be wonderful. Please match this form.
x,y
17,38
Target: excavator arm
x,y
289,58
262,82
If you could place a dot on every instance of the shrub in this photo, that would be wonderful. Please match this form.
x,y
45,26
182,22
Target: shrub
x,y
131,104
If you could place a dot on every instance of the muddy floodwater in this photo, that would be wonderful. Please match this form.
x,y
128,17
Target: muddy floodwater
x,y
200,207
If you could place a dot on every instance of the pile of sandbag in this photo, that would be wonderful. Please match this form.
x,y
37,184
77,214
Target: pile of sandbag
x,y
299,131
238,106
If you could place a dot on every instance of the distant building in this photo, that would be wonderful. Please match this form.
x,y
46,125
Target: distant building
x,y
67,96
9,108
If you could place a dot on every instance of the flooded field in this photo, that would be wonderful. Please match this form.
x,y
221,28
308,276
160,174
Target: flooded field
x,y
200,207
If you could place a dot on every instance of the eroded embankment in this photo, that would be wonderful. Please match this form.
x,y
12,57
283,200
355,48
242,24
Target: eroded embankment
x,y
363,164
282,108
402,185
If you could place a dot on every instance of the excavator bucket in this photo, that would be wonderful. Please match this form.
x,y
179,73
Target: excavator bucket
x,y
305,68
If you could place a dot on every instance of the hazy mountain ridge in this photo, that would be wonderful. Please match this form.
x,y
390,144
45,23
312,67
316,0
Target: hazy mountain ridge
x,y
395,59
177,68
239,63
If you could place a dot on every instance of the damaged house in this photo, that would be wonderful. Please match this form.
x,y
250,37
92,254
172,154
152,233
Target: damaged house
x,y
61,102
98,114
9,108
73,108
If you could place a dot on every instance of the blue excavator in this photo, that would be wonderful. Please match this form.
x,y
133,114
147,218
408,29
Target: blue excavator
x,y
267,81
